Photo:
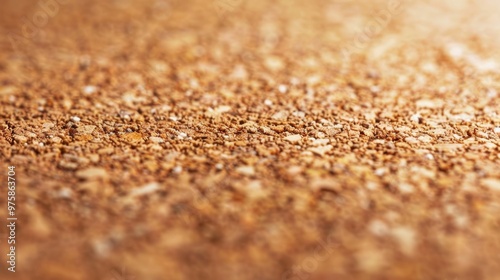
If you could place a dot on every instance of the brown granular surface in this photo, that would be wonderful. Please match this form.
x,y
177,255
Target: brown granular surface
x,y
252,139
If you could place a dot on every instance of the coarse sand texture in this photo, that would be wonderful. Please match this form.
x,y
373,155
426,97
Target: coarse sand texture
x,y
250,139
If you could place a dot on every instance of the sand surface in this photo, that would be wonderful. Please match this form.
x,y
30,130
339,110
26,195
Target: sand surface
x,y
251,139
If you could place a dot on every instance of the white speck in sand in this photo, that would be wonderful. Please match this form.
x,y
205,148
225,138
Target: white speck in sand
x,y
492,93
89,89
378,228
155,139
380,172
415,118
65,193
246,170
299,114
406,237
182,135
405,188
177,169
282,88
456,50
146,189
293,138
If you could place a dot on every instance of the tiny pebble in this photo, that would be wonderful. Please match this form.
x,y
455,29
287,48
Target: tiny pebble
x,y
293,138
177,169
89,89
282,88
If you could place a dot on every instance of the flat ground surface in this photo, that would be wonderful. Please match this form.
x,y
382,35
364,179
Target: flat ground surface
x,y
252,139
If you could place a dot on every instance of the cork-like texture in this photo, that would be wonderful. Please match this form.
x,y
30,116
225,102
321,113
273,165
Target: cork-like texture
x,y
251,139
